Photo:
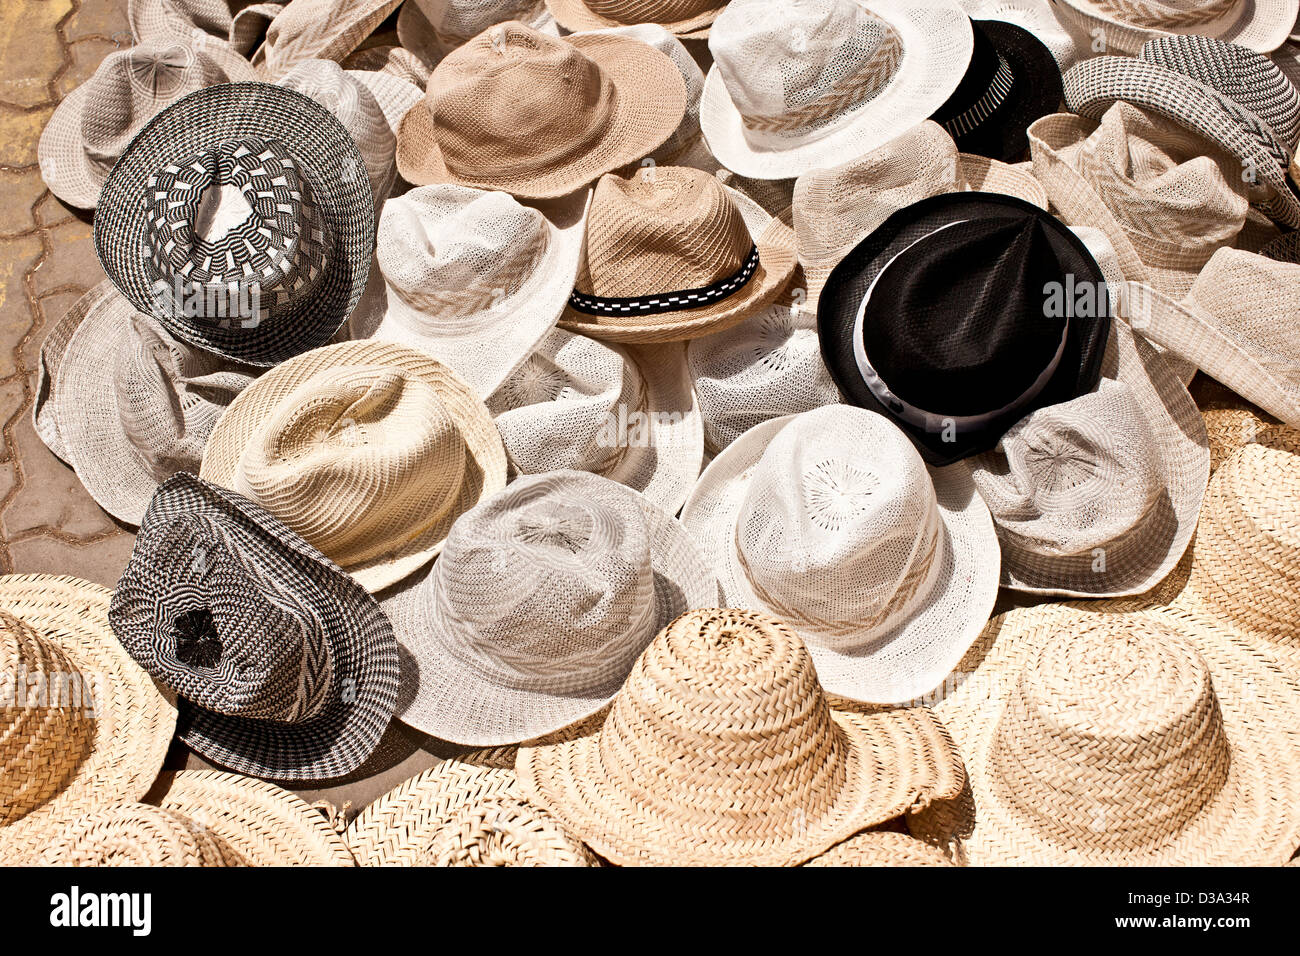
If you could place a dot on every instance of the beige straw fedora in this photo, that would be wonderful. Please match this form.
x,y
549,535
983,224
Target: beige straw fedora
x,y
431,29
624,412
830,521
881,848
536,116
1122,26
91,127
318,29
672,254
458,814
135,834
721,749
86,727
368,450
1109,739
684,18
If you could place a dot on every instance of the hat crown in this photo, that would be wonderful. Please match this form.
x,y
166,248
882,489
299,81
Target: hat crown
x,y
501,830
1251,300
136,834
47,721
651,11
461,20
356,459
353,104
1112,735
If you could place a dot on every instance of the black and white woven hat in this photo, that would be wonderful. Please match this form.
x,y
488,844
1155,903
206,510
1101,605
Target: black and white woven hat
x,y
961,314
285,667
1239,100
242,218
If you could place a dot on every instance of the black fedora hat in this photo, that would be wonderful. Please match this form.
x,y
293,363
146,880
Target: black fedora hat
x,y
961,314
1012,79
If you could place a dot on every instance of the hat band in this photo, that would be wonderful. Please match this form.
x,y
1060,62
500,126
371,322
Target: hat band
x,y
1147,14
993,97
668,301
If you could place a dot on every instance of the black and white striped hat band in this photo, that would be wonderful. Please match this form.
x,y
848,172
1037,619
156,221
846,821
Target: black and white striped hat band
x,y
668,301
993,97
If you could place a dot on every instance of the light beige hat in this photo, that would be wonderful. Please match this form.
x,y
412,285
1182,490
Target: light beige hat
x,y
1122,26
368,450
626,413
721,749
236,26
881,848
318,30
391,61
831,521
800,86
543,598
672,254
1039,17
135,834
1147,182
1107,739
93,124
431,29
464,268
533,115
684,18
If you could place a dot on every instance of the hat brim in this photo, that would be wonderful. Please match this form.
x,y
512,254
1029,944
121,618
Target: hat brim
x,y
326,155
1262,25
394,95
575,16
417,34
881,848
335,34
649,107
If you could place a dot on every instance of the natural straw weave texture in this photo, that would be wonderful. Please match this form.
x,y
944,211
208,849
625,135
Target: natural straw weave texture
x,y
53,347
1231,422
685,18
722,750
134,834
318,29
395,61
431,29
1122,26
881,848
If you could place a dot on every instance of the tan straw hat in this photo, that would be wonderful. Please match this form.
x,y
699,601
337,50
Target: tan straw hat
x,y
533,115
881,848
685,18
368,450
135,834
318,29
1107,739
457,814
672,254
1122,26
1231,422
431,29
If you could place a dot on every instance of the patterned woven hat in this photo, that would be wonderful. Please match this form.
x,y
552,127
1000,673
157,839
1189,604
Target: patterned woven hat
x,y
672,254
318,30
800,86
91,128
1237,99
433,28
541,601
285,667
135,834
463,267
1105,739
1122,26
241,217
533,115
721,749
624,412
830,521
881,848
684,18
368,450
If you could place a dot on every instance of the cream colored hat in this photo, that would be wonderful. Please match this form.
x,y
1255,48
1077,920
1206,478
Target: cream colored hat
x,y
216,23
684,18
798,86
831,521
1039,17
390,60
318,30
368,450
433,28
1124,25
624,412
135,834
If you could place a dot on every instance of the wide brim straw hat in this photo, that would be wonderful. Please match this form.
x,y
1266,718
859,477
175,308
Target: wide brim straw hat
x,y
1252,818
53,348
417,34
265,825
395,95
937,40
325,154
485,457
576,15
136,834
1261,25
1231,422
458,814
318,29
881,848
134,718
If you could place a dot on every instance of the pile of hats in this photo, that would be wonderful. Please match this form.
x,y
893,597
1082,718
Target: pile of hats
x,y
656,401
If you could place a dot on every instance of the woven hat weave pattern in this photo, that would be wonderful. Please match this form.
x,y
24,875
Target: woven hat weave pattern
x,y
137,835
685,18
431,29
1123,26
881,848
319,30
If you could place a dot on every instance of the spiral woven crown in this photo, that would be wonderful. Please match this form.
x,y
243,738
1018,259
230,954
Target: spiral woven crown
x,y
138,835
503,831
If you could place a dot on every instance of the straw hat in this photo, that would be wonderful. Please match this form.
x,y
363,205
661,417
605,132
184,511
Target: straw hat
x,y
672,254
285,667
1231,422
101,741
684,18
1147,182
798,87
881,848
368,450
311,257
1124,25
533,115
624,412
431,29
1039,17
395,61
721,749
265,825
830,521
1105,739
135,834
318,30
463,267
92,126
456,814
214,23
538,607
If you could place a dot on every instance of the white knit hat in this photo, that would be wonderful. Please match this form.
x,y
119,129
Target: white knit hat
x,y
1039,17
433,28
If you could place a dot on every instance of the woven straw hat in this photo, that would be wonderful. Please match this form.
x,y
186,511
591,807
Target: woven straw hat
x,y
433,28
318,30
368,450
265,825
100,740
217,24
672,254
1164,204
624,412
456,814
1231,422
135,834
90,129
881,848
1039,17
1124,25
721,749
463,267
684,18
539,605
830,521
293,207
533,115
395,61
795,87
285,667
1105,739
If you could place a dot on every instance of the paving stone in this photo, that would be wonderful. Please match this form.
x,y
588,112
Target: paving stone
x,y
101,561
100,20
50,211
17,256
22,189
19,132
31,52
86,57
49,310
71,263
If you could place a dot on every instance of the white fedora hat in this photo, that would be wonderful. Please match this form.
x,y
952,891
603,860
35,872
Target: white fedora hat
x,y
1124,25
